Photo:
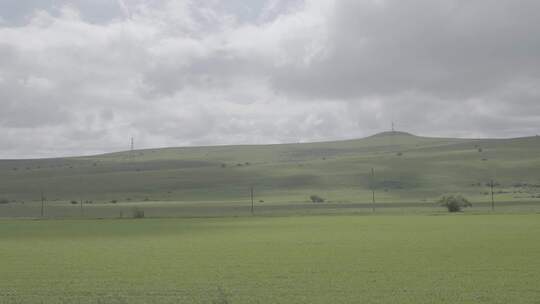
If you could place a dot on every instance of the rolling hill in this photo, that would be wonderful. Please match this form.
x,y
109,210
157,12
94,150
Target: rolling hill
x,y
407,168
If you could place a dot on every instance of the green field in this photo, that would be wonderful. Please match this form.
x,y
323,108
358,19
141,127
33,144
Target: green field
x,y
200,242
408,169
307,259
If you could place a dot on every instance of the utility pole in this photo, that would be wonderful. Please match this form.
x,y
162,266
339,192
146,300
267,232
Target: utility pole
x,y
492,198
251,190
42,203
393,130
373,188
81,182
131,148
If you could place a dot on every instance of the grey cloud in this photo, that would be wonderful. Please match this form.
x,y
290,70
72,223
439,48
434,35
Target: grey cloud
x,y
84,79
450,48
17,13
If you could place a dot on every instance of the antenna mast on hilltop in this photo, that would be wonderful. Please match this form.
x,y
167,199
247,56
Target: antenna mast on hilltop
x,y
393,130
132,147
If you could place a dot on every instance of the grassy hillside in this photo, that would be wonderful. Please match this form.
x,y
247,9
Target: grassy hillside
x,y
407,169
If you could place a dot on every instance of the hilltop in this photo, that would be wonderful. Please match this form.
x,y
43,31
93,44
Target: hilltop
x,y
393,133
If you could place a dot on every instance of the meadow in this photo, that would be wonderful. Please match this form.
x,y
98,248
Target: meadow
x,y
200,241
459,258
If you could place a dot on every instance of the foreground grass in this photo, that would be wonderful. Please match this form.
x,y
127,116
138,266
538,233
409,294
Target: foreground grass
x,y
315,259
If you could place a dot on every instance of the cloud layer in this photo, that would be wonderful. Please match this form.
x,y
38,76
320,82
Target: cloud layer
x,y
83,78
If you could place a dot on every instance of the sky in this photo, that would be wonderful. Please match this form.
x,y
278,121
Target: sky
x,y
84,76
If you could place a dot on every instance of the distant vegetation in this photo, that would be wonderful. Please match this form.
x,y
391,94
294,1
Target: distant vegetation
x,y
454,203
289,173
138,213
316,199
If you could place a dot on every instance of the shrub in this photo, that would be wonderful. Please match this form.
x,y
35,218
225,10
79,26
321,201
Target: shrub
x,y
3,201
316,199
138,213
74,202
454,203
114,201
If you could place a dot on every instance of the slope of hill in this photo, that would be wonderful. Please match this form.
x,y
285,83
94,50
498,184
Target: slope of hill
x,y
407,168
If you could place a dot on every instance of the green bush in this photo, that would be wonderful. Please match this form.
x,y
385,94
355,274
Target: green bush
x,y
454,203
3,201
138,213
316,199
74,202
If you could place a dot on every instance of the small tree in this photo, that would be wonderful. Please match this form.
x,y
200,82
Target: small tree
x,y
454,203
4,201
138,213
316,199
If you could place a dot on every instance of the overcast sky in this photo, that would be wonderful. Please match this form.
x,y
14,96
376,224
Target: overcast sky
x,y
82,77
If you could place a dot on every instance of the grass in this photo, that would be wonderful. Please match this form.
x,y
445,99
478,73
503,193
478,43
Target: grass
x,y
475,258
337,171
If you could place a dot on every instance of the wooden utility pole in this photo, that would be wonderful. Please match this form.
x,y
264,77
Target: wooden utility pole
x,y
492,197
373,188
81,183
132,148
42,204
251,190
